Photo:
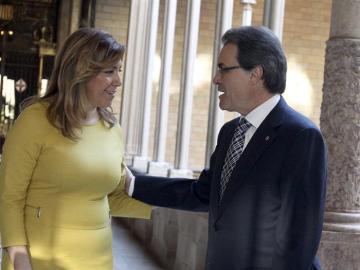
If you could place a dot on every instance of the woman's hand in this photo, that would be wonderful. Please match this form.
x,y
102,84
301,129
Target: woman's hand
x,y
19,257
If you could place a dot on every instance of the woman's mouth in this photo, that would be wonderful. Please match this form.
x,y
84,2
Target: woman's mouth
x,y
110,92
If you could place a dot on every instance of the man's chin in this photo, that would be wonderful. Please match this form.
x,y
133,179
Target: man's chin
x,y
222,103
223,107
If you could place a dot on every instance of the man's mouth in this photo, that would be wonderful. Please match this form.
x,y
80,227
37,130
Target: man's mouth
x,y
220,90
221,93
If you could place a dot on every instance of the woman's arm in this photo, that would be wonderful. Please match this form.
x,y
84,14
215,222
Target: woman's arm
x,y
121,205
19,257
20,154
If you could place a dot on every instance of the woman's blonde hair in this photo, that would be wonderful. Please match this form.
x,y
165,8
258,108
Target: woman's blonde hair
x,y
84,54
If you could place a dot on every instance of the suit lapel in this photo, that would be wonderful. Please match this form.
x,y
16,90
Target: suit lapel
x,y
261,140
226,139
224,142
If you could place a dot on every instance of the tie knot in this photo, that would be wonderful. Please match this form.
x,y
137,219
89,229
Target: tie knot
x,y
244,125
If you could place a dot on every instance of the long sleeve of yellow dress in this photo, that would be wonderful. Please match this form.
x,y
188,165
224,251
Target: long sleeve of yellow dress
x,y
56,195
20,154
121,205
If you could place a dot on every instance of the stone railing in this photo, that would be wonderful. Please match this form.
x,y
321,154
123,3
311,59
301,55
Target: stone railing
x,y
178,239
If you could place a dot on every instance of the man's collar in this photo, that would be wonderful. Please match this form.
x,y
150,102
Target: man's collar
x,y
257,115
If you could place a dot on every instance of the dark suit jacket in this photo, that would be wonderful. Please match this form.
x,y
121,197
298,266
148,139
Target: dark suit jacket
x,y
271,213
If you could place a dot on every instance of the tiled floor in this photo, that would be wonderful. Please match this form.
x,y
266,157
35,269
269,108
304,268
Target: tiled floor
x,y
128,253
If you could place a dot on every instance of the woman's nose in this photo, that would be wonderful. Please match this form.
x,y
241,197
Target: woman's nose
x,y
117,79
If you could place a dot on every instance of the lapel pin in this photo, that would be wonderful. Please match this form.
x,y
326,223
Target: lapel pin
x,y
267,138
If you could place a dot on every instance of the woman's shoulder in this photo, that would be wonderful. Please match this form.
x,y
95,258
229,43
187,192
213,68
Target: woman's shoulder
x,y
30,126
34,114
36,108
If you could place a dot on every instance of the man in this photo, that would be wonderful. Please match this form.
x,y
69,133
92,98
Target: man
x,y
265,188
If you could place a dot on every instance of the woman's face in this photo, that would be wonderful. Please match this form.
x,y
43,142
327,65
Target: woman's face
x,y
101,88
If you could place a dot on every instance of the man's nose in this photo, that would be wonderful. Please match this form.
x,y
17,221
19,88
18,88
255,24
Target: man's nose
x,y
217,78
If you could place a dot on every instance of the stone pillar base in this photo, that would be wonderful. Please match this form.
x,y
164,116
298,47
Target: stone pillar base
x,y
181,173
339,250
159,168
128,159
141,164
342,222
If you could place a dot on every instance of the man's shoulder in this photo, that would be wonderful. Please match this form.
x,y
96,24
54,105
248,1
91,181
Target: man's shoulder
x,y
294,122
296,118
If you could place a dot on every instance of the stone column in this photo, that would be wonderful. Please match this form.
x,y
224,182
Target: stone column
x,y
131,113
266,13
340,124
141,161
159,166
63,29
224,14
137,81
75,15
186,90
273,16
247,11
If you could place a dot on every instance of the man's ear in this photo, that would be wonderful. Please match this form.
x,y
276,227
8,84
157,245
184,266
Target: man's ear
x,y
256,74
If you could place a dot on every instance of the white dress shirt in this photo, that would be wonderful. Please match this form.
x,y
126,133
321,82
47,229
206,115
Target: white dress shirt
x,y
258,115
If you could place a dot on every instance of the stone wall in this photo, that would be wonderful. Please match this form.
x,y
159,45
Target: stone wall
x,y
177,238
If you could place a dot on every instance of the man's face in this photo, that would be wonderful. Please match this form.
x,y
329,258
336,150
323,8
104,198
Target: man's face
x,y
234,84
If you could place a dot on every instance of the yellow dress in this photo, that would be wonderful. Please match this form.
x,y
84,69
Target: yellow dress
x,y
57,196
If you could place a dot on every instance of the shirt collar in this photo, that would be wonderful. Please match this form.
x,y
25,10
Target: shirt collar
x,y
257,115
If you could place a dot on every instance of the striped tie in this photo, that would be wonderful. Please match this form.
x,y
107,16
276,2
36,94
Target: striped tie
x,y
233,154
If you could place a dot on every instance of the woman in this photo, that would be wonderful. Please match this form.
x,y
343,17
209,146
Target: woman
x,y
62,172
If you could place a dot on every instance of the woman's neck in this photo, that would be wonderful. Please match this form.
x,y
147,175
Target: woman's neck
x,y
92,117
